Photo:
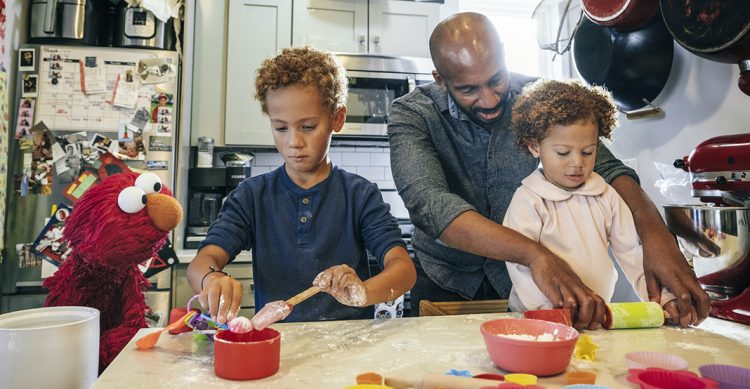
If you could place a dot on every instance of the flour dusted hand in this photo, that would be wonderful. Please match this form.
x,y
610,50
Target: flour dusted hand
x,y
343,284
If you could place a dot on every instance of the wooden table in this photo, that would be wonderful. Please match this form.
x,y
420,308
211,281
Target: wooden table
x,y
331,354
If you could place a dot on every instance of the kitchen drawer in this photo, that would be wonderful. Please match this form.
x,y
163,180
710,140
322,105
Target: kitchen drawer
x,y
247,312
239,270
242,272
248,299
18,302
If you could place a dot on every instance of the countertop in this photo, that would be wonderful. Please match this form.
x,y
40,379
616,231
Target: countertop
x,y
331,354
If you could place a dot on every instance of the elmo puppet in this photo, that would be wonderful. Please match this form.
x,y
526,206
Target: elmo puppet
x,y
114,226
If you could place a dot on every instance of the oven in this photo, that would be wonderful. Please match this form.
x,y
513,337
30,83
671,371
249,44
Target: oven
x,y
374,82
399,211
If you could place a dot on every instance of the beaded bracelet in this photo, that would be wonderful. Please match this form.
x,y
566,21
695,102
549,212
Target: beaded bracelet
x,y
212,269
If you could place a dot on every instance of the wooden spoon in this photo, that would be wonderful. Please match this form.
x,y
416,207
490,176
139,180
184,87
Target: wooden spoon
x,y
149,340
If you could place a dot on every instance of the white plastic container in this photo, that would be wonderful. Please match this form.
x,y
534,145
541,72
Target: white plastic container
x,y
53,347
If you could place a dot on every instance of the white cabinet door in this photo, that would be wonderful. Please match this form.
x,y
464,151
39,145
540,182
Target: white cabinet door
x,y
333,25
258,29
402,27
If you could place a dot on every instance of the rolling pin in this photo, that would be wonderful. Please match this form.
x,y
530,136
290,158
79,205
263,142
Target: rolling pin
x,y
440,381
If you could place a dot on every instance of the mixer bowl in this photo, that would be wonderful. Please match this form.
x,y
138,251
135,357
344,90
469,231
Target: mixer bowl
x,y
716,241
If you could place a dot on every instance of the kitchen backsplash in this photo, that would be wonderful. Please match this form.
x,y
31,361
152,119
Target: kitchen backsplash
x,y
373,163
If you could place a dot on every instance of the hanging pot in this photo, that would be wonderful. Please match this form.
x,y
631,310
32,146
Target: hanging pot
x,y
620,14
713,29
633,65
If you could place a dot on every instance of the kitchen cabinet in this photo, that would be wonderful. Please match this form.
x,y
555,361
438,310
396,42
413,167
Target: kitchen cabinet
x,y
257,29
242,272
387,27
232,38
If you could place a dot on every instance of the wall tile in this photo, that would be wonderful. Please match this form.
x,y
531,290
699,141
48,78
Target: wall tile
x,y
258,170
356,159
380,159
372,173
373,163
336,157
268,159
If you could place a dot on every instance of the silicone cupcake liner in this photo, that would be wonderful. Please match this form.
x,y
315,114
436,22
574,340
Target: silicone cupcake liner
x,y
646,359
581,377
585,386
655,378
728,376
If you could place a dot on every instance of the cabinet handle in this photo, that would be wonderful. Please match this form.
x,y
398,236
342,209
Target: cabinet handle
x,y
376,39
361,39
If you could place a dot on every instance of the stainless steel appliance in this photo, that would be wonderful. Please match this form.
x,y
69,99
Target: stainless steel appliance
x,y
374,82
67,111
205,192
715,236
138,27
65,21
238,169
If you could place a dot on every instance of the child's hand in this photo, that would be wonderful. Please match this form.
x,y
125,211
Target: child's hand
x,y
672,314
342,282
221,298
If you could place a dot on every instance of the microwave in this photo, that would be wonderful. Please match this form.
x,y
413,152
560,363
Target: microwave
x,y
374,82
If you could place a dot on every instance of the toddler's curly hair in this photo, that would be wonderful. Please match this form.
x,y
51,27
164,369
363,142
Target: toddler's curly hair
x,y
545,103
303,66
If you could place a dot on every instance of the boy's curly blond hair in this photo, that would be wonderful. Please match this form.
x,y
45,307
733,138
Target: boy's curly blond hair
x,y
303,66
546,103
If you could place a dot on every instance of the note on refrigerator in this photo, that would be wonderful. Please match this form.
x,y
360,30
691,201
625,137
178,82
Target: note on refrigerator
x,y
92,76
125,93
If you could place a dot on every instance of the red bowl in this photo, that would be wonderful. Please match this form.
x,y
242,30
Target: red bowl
x,y
247,356
529,356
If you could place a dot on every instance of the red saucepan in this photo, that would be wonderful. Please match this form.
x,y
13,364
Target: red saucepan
x,y
633,65
718,30
620,14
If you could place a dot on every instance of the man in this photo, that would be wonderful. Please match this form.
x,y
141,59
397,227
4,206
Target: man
x,y
456,165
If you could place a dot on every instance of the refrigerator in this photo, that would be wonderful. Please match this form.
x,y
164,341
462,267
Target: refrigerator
x,y
76,108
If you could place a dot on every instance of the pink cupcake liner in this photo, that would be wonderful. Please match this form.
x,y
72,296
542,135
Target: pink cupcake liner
x,y
585,386
655,378
728,376
646,359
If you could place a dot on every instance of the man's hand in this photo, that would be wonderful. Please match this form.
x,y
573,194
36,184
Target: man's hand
x,y
663,263
564,289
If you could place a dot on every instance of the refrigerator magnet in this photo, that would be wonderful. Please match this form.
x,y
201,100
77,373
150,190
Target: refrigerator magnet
x,y
26,60
29,85
157,165
156,70
25,118
77,188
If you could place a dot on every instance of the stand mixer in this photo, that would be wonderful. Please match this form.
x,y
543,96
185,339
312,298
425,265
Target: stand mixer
x,y
715,236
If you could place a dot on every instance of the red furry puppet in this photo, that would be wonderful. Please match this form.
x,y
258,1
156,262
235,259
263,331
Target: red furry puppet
x,y
114,226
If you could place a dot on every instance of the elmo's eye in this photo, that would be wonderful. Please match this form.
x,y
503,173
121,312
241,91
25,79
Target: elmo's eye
x,y
149,182
132,199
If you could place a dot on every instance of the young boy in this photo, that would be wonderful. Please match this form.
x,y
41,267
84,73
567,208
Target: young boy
x,y
307,221
565,205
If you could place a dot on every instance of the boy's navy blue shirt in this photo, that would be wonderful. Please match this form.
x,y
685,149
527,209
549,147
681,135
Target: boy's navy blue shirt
x,y
296,233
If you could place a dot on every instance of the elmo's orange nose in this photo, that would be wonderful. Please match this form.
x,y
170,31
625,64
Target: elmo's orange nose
x,y
165,212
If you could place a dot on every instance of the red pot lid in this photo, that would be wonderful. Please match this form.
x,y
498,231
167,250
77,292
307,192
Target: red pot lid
x,y
602,11
620,14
